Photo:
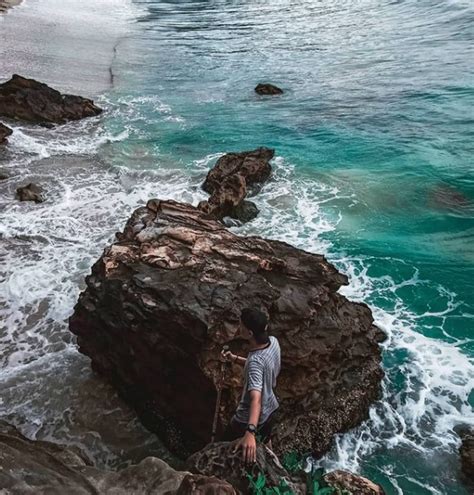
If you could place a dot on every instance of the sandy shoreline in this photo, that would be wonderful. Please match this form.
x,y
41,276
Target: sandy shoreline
x,y
6,4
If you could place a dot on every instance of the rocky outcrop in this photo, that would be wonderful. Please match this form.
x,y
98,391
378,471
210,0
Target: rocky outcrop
x,y
4,133
31,101
353,483
30,192
162,301
232,178
222,460
268,89
45,468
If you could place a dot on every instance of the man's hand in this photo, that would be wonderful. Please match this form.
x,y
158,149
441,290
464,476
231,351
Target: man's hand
x,y
228,356
248,443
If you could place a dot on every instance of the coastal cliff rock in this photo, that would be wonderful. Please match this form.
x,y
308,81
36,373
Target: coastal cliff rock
x,y
4,133
231,179
268,89
45,468
162,301
31,101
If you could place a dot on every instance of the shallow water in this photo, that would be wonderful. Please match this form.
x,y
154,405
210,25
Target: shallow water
x,y
373,138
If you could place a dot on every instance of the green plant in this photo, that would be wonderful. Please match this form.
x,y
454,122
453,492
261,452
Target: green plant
x,y
258,486
293,462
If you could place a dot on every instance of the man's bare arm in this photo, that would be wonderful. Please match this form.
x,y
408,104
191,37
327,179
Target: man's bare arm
x,y
248,442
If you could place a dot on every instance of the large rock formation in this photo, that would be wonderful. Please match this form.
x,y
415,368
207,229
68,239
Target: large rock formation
x,y
32,101
45,468
232,178
4,133
162,300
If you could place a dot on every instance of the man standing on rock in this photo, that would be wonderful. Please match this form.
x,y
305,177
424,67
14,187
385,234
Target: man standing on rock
x,y
254,415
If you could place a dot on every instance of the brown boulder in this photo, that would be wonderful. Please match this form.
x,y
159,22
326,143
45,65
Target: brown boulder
x,y
163,300
232,178
268,89
32,101
4,133
30,192
195,484
353,483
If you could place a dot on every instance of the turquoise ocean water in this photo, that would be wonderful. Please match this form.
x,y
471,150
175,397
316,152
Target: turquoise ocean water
x,y
374,168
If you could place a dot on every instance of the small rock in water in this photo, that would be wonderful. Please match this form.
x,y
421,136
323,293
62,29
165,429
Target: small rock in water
x,y
4,133
3,175
268,89
31,101
230,180
30,192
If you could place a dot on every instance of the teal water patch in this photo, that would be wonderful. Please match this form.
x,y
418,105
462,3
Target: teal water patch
x,y
373,137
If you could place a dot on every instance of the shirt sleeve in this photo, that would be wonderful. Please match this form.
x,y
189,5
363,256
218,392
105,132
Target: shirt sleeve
x,y
255,375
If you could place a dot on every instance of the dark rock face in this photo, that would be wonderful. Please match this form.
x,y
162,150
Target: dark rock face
x,y
195,484
30,192
221,460
353,483
4,133
268,89
467,453
162,301
32,101
45,468
230,180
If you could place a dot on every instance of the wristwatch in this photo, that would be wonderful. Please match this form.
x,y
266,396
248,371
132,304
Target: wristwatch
x,y
252,428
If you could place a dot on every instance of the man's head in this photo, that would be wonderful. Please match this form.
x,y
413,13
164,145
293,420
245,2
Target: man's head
x,y
256,323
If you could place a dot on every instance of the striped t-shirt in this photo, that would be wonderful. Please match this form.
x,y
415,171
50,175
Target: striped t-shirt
x,y
261,372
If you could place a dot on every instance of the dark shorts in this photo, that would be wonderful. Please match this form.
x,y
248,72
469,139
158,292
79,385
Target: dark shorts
x,y
236,430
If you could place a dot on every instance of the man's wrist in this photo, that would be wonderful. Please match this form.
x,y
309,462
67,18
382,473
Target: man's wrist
x,y
252,429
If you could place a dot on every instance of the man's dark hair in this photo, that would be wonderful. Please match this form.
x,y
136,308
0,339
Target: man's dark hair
x,y
256,321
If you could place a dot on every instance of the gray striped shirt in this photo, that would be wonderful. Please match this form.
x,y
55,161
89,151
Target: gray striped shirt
x,y
261,372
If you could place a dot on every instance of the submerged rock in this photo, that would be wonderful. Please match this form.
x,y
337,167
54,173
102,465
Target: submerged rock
x,y
32,101
30,192
4,133
268,89
163,300
230,180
